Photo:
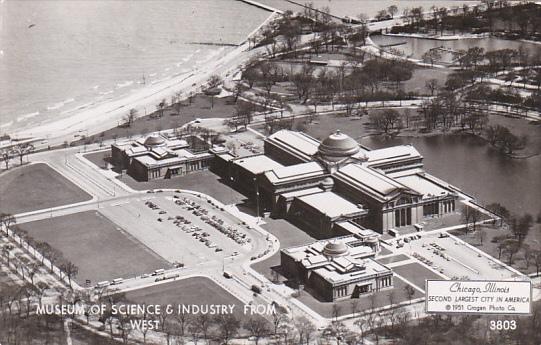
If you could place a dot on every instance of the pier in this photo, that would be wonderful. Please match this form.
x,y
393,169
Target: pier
x,y
261,6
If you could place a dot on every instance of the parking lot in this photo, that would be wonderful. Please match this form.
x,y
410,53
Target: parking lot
x,y
453,258
184,229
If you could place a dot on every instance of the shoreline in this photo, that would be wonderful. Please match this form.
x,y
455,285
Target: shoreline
x,y
107,115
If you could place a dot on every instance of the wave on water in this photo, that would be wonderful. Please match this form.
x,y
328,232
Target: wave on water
x,y
95,87
7,124
153,74
60,104
106,92
79,107
127,83
27,116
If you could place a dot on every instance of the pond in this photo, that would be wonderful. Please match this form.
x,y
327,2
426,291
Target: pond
x,y
416,47
473,166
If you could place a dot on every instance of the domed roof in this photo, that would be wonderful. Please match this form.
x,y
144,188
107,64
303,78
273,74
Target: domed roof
x,y
154,140
338,146
335,248
327,182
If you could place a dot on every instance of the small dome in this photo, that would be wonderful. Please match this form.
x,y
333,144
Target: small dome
x,y
327,182
154,140
338,146
335,248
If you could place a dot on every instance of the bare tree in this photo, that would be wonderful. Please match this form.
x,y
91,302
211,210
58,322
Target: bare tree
x,y
432,85
228,327
22,150
6,155
130,117
258,327
409,291
70,270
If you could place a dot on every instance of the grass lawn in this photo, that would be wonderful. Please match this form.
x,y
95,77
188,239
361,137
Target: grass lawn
x,y
37,186
288,235
98,158
416,274
346,306
97,246
205,182
533,240
199,108
420,76
198,291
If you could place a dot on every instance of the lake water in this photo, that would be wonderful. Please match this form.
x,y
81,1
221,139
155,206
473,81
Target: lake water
x,y
60,56
476,168
416,47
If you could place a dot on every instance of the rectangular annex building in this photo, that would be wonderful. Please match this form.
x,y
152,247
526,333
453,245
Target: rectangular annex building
x,y
159,156
336,269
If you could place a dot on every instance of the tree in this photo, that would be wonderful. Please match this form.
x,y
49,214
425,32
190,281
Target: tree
x,y
238,90
228,327
7,220
510,248
432,85
278,319
521,226
213,81
70,270
471,216
409,291
6,155
500,211
22,150
161,107
386,120
431,56
304,82
258,327
536,257
177,103
130,117
392,10
305,329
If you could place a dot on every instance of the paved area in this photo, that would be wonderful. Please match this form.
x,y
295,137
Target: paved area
x,y
454,258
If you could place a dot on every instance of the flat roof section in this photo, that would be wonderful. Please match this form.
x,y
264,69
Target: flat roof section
x,y
295,142
257,164
331,204
389,154
288,173
366,178
423,186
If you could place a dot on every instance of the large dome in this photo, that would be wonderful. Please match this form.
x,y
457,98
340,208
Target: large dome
x,y
154,140
338,146
335,248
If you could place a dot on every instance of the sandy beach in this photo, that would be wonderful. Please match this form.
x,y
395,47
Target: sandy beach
x,y
106,115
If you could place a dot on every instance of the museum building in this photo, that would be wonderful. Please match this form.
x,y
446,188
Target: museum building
x,y
159,156
319,184
337,269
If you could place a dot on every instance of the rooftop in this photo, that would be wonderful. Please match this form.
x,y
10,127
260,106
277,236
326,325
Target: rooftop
x,y
298,143
331,204
423,186
391,154
258,164
293,172
369,180
349,260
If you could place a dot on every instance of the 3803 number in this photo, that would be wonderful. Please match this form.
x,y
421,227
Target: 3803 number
x,y
503,325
